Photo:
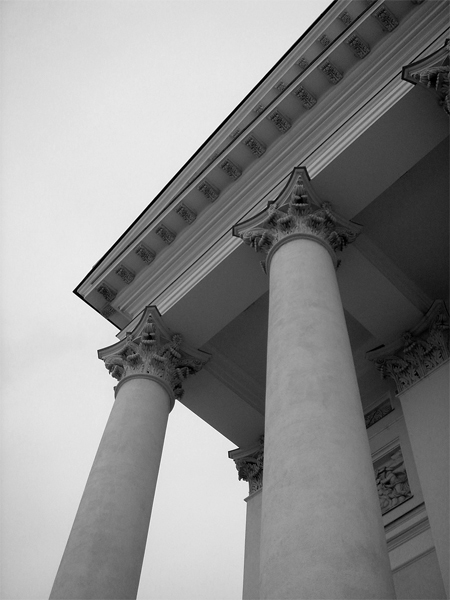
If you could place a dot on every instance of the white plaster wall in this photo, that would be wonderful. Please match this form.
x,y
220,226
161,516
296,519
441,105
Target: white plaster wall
x,y
420,579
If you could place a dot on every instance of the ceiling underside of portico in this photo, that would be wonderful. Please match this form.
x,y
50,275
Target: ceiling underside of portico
x,y
403,249
375,147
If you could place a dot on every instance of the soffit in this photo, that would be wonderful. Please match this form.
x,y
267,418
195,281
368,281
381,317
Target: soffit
x,y
315,137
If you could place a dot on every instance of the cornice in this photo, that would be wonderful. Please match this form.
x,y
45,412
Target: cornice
x,y
322,134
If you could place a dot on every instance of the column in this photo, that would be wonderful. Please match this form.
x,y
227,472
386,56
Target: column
x,y
250,463
419,364
104,554
321,531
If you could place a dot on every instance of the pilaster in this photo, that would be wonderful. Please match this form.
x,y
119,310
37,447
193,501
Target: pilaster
x,y
418,363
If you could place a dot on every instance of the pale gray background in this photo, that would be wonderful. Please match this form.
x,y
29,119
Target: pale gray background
x,y
102,103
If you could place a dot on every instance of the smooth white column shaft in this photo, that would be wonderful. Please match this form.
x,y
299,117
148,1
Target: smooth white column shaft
x,y
252,547
321,531
104,553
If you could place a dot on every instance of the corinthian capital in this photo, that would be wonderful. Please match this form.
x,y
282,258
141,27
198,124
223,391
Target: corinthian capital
x,y
417,352
297,210
432,72
250,465
151,349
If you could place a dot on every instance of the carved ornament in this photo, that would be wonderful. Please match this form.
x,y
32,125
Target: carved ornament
x,y
305,97
432,72
280,86
324,40
186,213
378,413
231,169
332,73
250,465
145,254
418,352
209,190
392,480
385,18
152,350
108,292
297,210
360,48
346,18
107,310
281,122
165,234
256,147
303,64
259,108
126,274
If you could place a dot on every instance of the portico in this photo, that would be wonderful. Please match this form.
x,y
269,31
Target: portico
x,y
332,158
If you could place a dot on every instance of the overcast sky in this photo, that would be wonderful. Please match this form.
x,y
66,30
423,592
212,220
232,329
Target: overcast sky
x,y
102,103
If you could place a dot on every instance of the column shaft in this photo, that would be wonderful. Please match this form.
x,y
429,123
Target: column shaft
x,y
104,553
321,531
252,547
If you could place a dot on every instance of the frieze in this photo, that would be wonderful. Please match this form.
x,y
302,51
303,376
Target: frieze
x,y
145,254
386,18
256,147
186,213
209,190
150,354
108,292
125,274
165,234
281,122
392,480
305,97
420,351
378,413
231,169
250,466
360,48
294,212
332,73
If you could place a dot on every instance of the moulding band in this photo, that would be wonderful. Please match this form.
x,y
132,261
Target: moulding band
x,y
299,236
159,380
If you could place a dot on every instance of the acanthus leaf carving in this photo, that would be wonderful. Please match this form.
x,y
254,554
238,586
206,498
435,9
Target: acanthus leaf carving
x,y
418,352
151,354
432,72
250,465
296,214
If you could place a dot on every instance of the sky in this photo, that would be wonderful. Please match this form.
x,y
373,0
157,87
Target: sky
x,y
102,103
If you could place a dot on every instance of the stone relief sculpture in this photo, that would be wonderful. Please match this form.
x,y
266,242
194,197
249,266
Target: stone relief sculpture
x,y
392,481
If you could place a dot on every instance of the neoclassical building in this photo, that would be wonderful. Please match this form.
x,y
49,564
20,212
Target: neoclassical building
x,y
290,286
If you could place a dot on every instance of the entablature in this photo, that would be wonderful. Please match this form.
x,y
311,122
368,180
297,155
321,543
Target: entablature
x,y
289,119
